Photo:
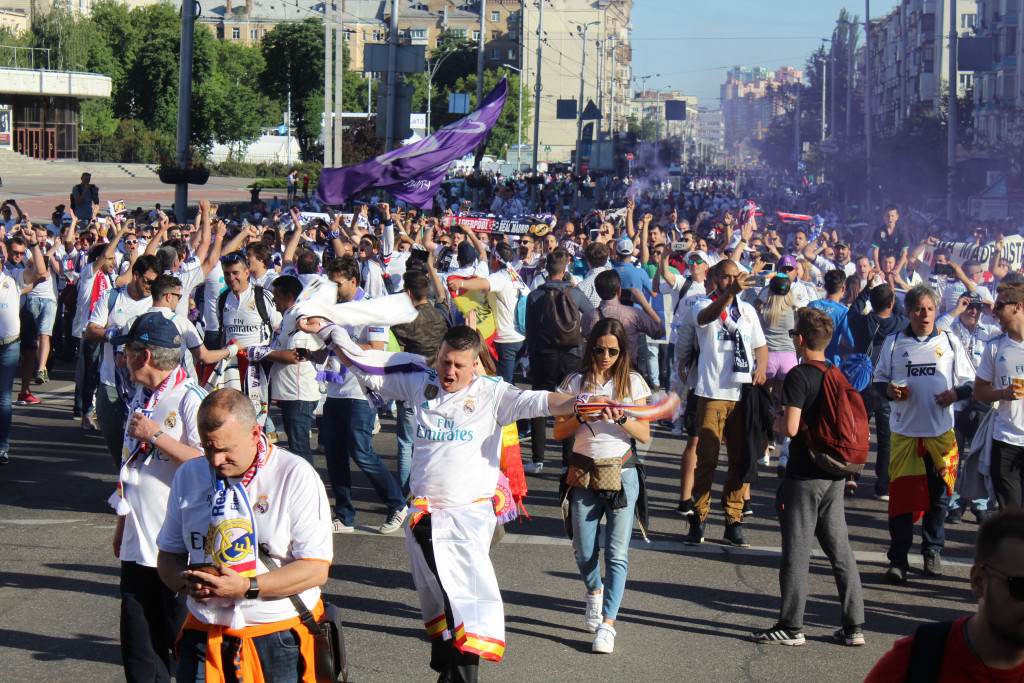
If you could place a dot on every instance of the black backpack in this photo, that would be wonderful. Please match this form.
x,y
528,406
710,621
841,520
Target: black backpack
x,y
261,307
558,319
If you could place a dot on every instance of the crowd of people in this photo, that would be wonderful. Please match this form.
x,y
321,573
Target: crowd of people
x,y
189,339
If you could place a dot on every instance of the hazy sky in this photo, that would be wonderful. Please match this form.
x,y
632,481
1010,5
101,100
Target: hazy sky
x,y
693,42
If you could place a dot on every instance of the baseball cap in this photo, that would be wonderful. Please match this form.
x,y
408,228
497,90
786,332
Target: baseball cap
x,y
780,284
151,328
697,253
843,243
624,247
787,261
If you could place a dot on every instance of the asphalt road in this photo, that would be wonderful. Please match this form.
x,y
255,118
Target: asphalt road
x,y
685,615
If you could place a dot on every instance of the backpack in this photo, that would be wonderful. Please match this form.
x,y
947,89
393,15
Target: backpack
x,y
838,441
858,366
558,319
261,308
928,651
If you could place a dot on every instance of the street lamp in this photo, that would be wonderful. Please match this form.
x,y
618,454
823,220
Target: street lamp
x,y
643,101
430,80
583,79
519,121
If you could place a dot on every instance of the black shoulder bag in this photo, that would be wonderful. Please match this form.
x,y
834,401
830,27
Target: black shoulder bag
x,y
330,661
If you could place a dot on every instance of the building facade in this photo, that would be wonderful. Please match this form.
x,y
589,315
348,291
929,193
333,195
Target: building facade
x,y
999,89
751,98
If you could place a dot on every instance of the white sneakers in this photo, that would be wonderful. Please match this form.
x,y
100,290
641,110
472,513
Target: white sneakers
x,y
394,521
592,615
604,640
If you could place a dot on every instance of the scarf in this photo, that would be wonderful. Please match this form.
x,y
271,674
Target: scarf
x,y
144,402
664,409
741,369
100,284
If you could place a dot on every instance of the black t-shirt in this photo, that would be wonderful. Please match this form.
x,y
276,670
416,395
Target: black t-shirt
x,y
890,244
801,390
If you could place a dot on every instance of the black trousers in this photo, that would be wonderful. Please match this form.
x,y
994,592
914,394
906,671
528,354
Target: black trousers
x,y
463,667
548,367
1007,474
151,618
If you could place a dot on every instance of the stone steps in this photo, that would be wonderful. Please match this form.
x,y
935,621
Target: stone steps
x,y
12,163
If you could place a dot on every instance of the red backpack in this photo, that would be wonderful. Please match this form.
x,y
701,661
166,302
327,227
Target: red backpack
x,y
838,441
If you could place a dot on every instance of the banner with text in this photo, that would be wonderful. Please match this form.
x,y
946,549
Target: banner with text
x,y
961,252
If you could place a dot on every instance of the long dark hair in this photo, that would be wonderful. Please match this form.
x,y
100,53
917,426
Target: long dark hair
x,y
620,370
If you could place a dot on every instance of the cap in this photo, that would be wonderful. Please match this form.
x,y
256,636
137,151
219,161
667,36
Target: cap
x,y
787,261
467,252
843,243
151,328
624,247
698,253
972,296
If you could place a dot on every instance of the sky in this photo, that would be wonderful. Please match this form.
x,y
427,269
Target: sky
x,y
692,43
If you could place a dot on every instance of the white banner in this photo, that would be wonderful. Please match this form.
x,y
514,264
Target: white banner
x,y
961,252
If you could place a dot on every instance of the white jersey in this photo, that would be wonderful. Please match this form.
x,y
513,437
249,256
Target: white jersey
x,y
266,281
929,367
11,284
503,298
457,445
372,275
803,293
717,351
293,382
191,275
341,382
85,283
1000,363
604,439
676,311
955,289
123,310
293,522
175,413
213,286
242,321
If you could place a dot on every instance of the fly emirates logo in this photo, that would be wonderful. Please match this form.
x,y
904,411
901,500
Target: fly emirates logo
x,y
445,431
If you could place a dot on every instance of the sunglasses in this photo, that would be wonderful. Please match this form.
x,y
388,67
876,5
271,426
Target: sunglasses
x,y
130,243
149,282
1015,584
17,253
695,261
232,258
998,306
793,333
605,350
177,294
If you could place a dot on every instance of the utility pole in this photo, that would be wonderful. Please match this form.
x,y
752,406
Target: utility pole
x,y
184,105
797,145
536,96
867,102
479,88
951,125
389,141
600,99
832,103
339,87
824,84
611,109
328,129
289,127
851,33
519,119
579,108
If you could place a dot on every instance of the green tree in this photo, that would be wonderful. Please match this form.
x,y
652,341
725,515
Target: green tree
x,y
237,106
505,131
294,53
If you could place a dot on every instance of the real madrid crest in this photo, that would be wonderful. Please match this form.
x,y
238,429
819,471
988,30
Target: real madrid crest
x,y
468,407
261,505
430,391
172,419
252,305
938,353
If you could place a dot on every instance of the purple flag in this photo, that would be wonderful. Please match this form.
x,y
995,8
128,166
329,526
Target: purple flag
x,y
414,173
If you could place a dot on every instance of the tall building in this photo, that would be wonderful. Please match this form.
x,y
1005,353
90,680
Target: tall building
x,y
999,89
751,98
710,132
910,59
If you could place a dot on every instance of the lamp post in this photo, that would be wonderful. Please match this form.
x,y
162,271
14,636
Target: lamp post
x,y
643,105
430,81
519,121
583,79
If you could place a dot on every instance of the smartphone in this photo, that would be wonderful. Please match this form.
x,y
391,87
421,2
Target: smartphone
x,y
679,246
758,281
302,354
626,298
942,269
205,567
768,268
595,233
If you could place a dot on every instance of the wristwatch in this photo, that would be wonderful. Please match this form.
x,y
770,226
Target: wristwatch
x,y
622,420
254,589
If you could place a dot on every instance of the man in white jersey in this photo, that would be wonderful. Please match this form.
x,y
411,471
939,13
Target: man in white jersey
x,y
94,279
275,499
115,308
1001,378
924,371
166,291
160,435
455,468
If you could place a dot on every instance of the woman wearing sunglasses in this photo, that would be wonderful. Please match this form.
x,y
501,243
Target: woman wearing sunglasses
x,y
602,476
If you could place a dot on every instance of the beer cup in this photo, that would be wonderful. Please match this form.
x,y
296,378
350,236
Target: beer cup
x,y
1018,386
902,390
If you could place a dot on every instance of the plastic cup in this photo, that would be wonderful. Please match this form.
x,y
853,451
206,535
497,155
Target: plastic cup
x,y
1018,386
902,389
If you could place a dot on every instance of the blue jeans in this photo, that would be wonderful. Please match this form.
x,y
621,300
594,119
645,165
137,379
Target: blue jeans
x,y
348,436
278,653
44,312
587,510
507,359
933,530
405,429
298,420
8,369
87,376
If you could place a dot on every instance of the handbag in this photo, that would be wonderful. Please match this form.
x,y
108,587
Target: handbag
x,y
330,661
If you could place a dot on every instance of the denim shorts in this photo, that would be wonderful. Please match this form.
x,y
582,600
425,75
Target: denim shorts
x,y
44,311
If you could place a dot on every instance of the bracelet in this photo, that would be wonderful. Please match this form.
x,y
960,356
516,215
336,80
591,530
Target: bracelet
x,y
334,235
218,237
232,350
156,436
580,400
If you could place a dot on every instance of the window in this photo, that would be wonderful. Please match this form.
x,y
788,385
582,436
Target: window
x,y
236,33
495,34
418,33
513,34
495,54
253,34
967,20
476,36
458,32
495,16
378,36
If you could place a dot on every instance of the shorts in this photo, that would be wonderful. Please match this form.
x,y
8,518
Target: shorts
x,y
779,364
44,312
29,331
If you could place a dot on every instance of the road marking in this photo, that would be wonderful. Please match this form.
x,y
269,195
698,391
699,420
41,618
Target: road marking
x,y
40,521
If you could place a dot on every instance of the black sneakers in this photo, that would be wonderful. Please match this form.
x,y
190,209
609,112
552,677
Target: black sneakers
x,y
734,535
685,508
932,563
896,575
696,535
777,635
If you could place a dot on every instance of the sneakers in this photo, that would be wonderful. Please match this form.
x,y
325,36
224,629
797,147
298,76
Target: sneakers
x,y
592,614
763,462
4,458
394,521
734,536
533,467
932,563
884,497
776,635
780,469
604,639
696,535
89,422
896,575
955,516
26,398
339,527
677,429
685,508
747,512
40,377
849,635
980,515
850,488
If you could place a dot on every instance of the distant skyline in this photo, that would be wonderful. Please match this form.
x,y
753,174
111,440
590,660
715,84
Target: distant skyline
x,y
692,44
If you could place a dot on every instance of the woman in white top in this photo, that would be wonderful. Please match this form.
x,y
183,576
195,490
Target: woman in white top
x,y
604,438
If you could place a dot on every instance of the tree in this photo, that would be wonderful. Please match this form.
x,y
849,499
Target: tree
x,y
237,106
294,54
505,131
360,142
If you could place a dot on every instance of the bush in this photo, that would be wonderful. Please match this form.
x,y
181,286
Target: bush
x,y
281,183
270,171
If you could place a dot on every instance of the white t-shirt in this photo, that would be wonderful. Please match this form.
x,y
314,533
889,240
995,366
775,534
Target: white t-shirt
x,y
502,298
266,281
457,444
675,310
242,321
45,288
11,284
717,351
293,382
82,312
349,386
372,275
124,309
604,439
929,367
1001,361
803,293
955,289
176,414
293,522
191,275
190,338
213,286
